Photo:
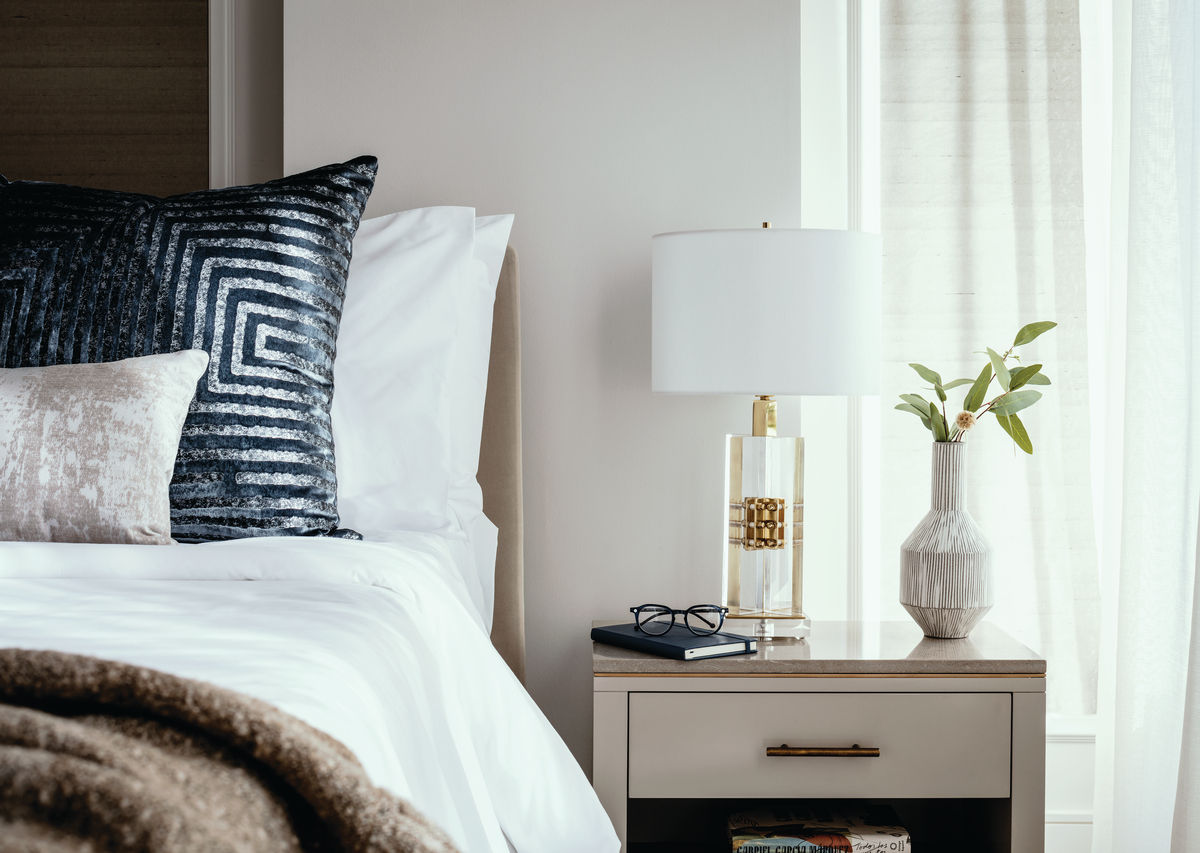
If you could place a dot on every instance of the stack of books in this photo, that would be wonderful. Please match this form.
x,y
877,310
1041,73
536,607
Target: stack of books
x,y
789,828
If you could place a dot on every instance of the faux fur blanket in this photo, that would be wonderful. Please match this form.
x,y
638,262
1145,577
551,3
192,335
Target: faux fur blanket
x,y
97,756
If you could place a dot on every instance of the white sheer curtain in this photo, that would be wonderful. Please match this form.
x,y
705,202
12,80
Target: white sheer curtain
x,y
1148,742
982,216
983,227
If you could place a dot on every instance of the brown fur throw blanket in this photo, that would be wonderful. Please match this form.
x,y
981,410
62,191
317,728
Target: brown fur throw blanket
x,y
97,756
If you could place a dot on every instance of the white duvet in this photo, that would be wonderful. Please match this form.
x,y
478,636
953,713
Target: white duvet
x,y
374,643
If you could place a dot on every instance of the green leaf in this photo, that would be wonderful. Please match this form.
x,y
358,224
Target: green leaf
x,y
905,407
916,400
939,424
920,405
1032,331
956,383
975,396
1015,401
930,376
1022,375
1039,379
1002,373
1013,426
941,392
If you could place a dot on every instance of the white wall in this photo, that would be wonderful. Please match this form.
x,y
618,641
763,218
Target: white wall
x,y
598,124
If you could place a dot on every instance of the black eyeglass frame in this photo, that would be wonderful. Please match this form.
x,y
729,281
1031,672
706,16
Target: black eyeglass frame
x,y
663,610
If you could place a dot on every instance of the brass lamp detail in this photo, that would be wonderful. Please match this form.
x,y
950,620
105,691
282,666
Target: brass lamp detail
x,y
766,415
763,521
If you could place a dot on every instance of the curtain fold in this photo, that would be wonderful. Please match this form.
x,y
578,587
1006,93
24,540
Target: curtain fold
x,y
983,225
1148,742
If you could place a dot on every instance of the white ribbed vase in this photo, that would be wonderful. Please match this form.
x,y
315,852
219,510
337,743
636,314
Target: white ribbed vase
x,y
945,563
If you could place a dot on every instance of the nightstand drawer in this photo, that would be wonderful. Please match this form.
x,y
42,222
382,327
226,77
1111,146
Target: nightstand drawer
x,y
715,744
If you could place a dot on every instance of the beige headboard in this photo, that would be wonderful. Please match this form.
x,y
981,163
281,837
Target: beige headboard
x,y
500,467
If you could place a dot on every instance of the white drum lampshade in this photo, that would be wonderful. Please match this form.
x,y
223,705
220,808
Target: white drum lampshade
x,y
765,311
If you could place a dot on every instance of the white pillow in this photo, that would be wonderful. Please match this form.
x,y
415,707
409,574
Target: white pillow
x,y
411,369
477,299
469,380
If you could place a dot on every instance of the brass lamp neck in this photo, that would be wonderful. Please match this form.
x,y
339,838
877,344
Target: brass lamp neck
x,y
764,415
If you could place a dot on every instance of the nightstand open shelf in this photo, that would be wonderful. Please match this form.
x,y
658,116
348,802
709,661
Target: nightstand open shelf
x,y
698,826
959,726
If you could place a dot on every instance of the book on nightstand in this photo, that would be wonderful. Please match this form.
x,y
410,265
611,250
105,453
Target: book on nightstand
x,y
678,643
787,828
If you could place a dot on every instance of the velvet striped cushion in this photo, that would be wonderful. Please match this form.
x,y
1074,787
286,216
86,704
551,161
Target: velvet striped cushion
x,y
254,276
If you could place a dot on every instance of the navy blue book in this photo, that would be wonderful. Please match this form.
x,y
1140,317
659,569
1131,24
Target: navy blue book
x,y
678,643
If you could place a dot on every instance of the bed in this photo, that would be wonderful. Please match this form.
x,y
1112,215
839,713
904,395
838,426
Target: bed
x,y
393,644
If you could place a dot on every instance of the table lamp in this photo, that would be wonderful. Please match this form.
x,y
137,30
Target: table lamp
x,y
765,312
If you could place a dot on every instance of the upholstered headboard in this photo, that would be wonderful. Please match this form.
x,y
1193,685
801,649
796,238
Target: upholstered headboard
x,y
500,467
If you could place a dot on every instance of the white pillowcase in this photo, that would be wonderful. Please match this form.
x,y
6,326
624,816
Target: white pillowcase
x,y
410,374
469,371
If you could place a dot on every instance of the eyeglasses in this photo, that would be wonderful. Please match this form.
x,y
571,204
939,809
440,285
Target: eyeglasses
x,y
700,619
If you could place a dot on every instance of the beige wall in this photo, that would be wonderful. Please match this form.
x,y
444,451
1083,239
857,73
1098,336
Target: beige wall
x,y
598,125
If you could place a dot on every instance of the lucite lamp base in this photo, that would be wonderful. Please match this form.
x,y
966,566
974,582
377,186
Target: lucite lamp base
x,y
763,576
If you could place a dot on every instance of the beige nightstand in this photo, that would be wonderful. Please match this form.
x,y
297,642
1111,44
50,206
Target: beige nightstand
x,y
959,725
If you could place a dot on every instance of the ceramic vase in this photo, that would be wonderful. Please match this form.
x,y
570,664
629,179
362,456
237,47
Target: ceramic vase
x,y
945,563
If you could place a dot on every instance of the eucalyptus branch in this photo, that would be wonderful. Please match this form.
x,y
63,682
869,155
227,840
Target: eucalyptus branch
x,y
1004,406
987,408
983,411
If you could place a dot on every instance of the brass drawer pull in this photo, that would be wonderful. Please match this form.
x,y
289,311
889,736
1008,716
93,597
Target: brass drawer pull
x,y
856,751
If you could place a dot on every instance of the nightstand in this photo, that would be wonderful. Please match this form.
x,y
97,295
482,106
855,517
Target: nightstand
x,y
959,728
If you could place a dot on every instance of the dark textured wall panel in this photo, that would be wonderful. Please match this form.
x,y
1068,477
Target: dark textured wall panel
x,y
105,93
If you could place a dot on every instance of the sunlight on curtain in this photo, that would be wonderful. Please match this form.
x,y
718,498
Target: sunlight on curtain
x,y
1148,742
983,231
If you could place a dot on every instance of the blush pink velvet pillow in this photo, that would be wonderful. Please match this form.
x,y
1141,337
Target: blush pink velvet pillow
x,y
87,450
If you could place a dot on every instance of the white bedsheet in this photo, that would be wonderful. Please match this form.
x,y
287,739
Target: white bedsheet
x,y
377,644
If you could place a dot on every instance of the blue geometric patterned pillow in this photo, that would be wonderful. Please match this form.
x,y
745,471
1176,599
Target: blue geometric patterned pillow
x,y
253,275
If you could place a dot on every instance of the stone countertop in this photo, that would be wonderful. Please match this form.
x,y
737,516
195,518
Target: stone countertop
x,y
849,648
